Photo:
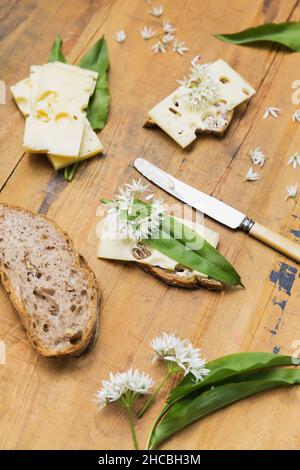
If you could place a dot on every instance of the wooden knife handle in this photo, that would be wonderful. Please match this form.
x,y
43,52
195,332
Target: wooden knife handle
x,y
276,241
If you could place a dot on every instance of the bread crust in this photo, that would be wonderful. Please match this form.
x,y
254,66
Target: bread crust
x,y
90,331
188,281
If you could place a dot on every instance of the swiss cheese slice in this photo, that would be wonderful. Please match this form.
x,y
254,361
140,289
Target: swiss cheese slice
x,y
55,122
121,249
90,146
21,94
70,82
181,122
90,143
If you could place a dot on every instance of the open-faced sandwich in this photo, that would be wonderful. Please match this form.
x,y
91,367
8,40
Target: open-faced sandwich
x,y
203,103
180,252
51,285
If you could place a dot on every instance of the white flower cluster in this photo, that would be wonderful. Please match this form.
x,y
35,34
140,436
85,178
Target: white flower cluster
x,y
141,223
200,88
181,353
132,382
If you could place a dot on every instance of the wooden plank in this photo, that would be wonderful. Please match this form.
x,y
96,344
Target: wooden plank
x,y
37,394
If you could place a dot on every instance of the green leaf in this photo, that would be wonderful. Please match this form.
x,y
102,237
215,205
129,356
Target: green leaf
x,y
225,368
287,34
69,171
197,405
97,59
56,54
177,241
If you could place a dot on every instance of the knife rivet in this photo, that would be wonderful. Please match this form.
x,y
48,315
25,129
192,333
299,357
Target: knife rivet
x,y
247,224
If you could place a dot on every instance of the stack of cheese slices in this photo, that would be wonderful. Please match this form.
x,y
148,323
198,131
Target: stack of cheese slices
x,y
53,99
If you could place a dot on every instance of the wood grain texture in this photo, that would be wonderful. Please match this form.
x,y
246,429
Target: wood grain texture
x,y
48,404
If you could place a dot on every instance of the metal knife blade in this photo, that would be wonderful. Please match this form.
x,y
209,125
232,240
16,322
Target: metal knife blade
x,y
209,205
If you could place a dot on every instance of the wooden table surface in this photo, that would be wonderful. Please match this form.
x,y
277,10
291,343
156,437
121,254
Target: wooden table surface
x,y
47,403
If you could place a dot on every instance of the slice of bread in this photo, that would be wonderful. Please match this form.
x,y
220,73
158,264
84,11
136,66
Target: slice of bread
x,y
51,285
182,277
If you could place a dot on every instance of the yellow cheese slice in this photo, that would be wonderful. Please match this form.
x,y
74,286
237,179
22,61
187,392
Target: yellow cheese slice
x,y
55,122
90,144
181,123
121,250
74,84
21,94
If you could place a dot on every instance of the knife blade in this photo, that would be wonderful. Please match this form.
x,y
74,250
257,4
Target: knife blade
x,y
209,205
216,209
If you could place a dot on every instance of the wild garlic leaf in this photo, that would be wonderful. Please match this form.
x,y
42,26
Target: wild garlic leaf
x,y
226,367
56,54
199,404
179,247
287,34
97,59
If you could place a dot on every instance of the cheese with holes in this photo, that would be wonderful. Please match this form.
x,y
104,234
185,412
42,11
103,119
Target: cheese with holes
x,y
59,94
21,94
90,146
57,130
121,250
54,124
90,143
181,123
68,82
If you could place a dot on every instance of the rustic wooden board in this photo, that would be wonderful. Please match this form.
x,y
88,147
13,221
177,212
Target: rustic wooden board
x,y
48,403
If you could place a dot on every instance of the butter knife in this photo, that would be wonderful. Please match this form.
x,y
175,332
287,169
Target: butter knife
x,y
216,209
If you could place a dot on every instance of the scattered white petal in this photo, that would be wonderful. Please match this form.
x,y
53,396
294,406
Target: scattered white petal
x,y
120,36
252,175
147,33
136,186
168,38
120,384
195,60
292,191
179,47
157,11
296,116
168,27
271,111
294,160
181,353
257,156
159,47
